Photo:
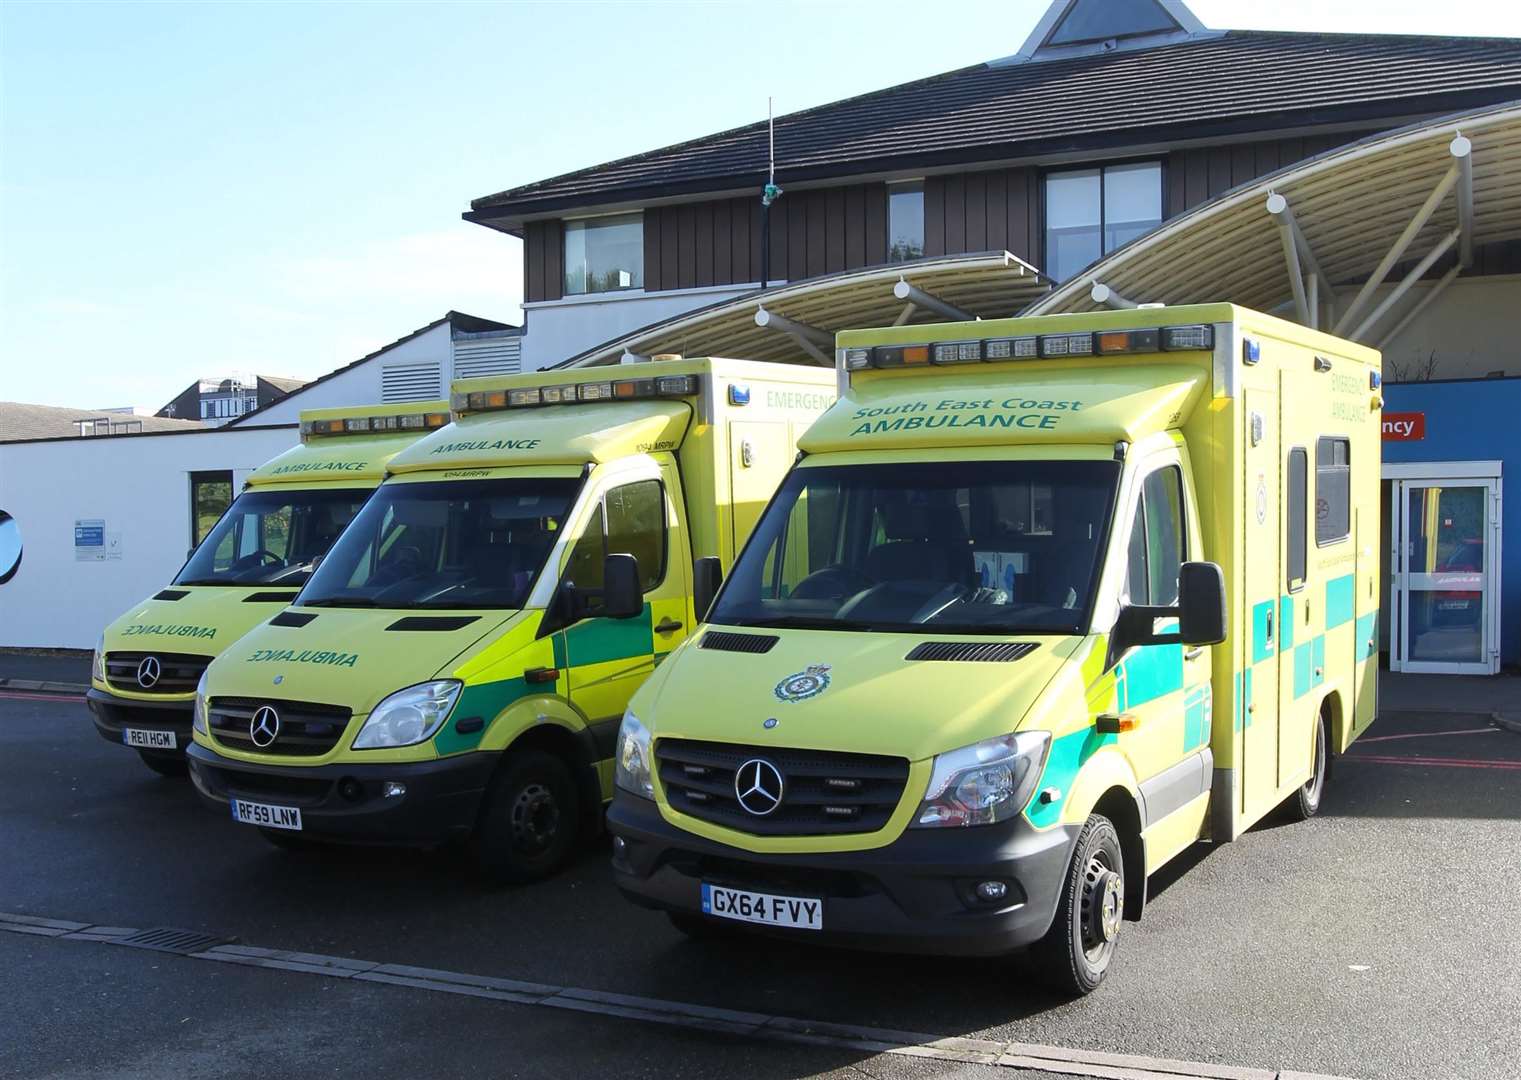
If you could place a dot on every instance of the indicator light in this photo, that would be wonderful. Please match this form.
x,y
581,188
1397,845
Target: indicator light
x,y
958,352
594,391
527,395
1178,338
856,359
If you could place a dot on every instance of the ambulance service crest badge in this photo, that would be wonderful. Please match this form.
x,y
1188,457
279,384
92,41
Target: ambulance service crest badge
x,y
811,682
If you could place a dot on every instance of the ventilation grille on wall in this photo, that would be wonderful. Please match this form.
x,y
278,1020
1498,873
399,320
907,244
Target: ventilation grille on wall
x,y
487,356
411,382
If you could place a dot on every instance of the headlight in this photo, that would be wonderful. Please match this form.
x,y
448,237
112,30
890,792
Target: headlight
x,y
985,782
98,661
198,714
408,716
631,759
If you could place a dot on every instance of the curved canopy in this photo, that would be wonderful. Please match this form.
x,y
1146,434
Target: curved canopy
x,y
797,323
1383,210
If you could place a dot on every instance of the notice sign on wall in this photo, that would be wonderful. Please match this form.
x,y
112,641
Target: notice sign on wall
x,y
92,543
1404,426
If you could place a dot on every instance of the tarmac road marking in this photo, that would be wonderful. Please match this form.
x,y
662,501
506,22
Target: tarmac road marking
x,y
1098,1065
1456,763
22,695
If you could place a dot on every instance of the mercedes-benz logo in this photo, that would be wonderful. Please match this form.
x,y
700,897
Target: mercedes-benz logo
x,y
264,728
149,672
758,786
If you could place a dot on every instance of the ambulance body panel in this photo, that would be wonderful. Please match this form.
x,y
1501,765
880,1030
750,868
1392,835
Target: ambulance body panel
x,y
477,571
968,700
149,660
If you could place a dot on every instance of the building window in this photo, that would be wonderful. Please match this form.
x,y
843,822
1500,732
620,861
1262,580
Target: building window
x,y
604,254
905,221
1333,490
1090,212
210,496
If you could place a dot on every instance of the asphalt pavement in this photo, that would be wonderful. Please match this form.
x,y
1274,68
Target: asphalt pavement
x,y
1374,941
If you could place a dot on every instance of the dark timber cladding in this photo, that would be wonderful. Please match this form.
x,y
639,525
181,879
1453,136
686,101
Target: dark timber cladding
x,y
544,258
984,211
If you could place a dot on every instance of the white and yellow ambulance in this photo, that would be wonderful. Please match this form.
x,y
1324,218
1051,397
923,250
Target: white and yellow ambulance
x,y
248,567
1045,602
457,668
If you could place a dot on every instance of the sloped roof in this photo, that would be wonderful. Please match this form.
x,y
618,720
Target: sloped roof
x,y
19,420
283,384
1209,86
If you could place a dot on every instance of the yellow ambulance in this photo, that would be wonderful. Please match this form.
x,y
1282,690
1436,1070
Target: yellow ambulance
x,y
1046,601
457,668
249,566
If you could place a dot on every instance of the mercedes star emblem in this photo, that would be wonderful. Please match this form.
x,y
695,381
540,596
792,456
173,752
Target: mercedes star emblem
x,y
758,786
264,727
148,672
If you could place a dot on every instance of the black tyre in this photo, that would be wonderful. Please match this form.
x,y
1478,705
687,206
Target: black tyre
x,y
164,764
1077,951
1305,803
529,822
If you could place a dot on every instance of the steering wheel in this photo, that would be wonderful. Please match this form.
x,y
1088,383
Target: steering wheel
x,y
265,557
833,582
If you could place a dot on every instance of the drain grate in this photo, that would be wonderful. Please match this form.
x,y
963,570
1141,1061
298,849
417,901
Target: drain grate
x,y
168,939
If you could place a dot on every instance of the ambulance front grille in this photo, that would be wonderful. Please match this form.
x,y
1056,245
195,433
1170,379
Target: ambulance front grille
x,y
824,793
178,673
306,729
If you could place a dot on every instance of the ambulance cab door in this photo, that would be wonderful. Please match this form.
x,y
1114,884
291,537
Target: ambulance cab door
x,y
1163,688
606,660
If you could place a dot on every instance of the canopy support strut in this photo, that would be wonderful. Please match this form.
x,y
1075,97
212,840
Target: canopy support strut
x,y
917,296
1103,294
1298,255
1393,255
810,339
1436,290
1405,282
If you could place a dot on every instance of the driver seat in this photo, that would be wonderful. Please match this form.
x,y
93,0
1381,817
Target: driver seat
x,y
925,542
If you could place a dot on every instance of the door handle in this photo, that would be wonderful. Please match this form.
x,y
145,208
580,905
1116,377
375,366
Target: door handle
x,y
667,626
1194,653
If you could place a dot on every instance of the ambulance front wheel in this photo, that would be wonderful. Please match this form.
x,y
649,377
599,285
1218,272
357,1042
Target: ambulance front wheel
x,y
529,822
164,764
1077,951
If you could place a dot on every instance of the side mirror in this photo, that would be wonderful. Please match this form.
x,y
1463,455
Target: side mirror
x,y
1200,612
1201,604
622,594
707,576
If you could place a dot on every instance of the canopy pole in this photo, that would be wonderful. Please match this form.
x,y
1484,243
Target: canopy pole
x,y
1298,255
906,314
1103,294
1462,149
1436,290
1392,256
811,339
1404,285
915,295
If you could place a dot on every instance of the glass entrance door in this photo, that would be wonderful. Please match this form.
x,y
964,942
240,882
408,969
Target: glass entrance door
x,y
1446,572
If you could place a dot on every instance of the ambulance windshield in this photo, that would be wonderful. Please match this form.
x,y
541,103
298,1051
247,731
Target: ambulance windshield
x,y
270,536
966,547
445,544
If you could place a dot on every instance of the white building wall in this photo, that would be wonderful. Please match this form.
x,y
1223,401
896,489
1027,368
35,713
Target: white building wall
x,y
362,384
556,330
140,486
1468,332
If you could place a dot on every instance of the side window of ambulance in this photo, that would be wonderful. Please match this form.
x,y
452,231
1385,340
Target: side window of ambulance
x,y
1157,542
1298,499
635,521
630,521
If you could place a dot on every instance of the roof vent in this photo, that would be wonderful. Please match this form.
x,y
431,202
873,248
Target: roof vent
x,y
749,643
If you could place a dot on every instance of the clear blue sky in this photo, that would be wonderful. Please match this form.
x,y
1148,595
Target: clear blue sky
x,y
276,187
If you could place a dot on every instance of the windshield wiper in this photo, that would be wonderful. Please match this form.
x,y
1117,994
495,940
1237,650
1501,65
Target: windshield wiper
x,y
211,581
340,601
802,622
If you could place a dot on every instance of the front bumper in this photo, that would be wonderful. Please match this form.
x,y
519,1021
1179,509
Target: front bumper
x,y
343,802
112,714
915,895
